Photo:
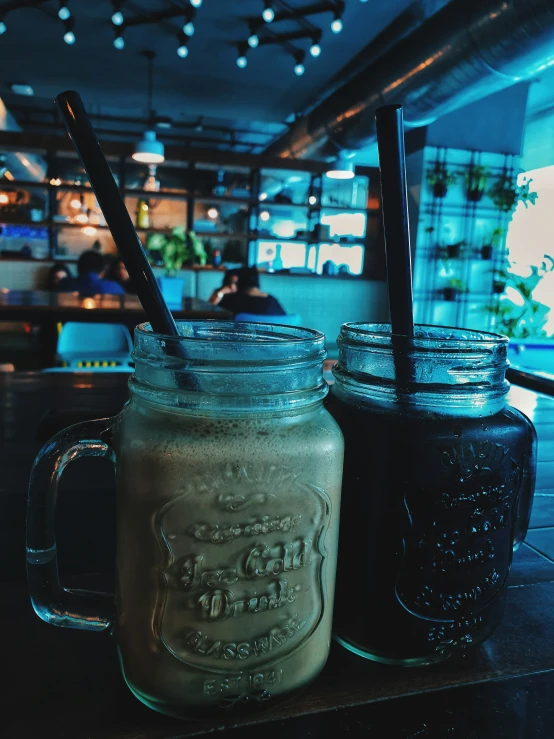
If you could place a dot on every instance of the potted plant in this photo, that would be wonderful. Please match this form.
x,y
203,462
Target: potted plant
x,y
505,193
453,289
440,179
452,251
493,242
476,179
174,250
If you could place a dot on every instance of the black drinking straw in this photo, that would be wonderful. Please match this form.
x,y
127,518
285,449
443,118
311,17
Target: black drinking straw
x,y
394,202
394,196
117,217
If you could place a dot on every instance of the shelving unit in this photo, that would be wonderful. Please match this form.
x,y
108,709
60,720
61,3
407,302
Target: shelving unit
x,y
185,185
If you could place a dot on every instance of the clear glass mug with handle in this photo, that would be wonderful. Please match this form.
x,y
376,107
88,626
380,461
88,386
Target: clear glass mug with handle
x,y
228,479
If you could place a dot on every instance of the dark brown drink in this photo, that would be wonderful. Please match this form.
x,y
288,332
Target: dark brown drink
x,y
427,524
437,486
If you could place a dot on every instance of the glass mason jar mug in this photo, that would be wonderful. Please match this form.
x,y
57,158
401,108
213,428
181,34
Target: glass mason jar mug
x,y
228,477
438,482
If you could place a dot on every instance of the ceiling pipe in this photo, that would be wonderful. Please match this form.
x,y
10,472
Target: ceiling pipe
x,y
467,51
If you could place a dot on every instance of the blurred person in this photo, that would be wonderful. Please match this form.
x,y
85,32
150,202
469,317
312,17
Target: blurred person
x,y
228,286
57,272
117,272
248,297
89,282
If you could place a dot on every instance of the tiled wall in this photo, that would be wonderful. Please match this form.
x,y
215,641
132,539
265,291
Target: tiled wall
x,y
323,302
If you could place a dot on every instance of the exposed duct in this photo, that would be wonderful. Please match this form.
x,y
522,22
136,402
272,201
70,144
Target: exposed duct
x,y
468,50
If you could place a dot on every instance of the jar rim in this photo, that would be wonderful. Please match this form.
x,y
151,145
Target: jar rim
x,y
246,332
379,331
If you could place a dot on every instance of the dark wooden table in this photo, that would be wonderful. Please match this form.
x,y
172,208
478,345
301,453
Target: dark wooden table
x,y
47,309
36,305
66,684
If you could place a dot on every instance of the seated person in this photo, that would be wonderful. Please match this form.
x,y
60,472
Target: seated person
x,y
117,272
229,286
249,298
57,272
90,268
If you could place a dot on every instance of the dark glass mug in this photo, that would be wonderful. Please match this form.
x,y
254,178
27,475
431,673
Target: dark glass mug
x,y
438,482
228,477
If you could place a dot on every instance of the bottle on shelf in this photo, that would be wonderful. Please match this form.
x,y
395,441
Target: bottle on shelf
x,y
143,218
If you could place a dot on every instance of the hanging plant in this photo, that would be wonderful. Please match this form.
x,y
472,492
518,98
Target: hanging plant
x,y
440,179
505,193
476,179
453,289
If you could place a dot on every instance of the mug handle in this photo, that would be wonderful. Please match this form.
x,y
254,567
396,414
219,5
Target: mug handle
x,y
76,609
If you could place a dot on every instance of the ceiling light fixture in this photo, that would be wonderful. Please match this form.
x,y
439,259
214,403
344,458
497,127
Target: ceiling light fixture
x,y
183,49
149,150
263,196
213,213
265,216
64,13
69,36
4,199
19,89
299,67
312,200
342,168
117,15
119,41
75,203
268,13
89,231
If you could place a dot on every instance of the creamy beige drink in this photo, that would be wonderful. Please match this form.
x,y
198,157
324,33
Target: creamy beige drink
x,y
227,544
228,472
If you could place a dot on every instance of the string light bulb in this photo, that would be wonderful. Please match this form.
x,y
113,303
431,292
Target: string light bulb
x,y
336,23
253,39
188,28
213,213
183,49
242,61
299,68
265,216
268,13
196,3
315,49
3,27
119,41
64,13
117,15
69,36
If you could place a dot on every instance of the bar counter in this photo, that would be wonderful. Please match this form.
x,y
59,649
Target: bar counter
x,y
67,684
